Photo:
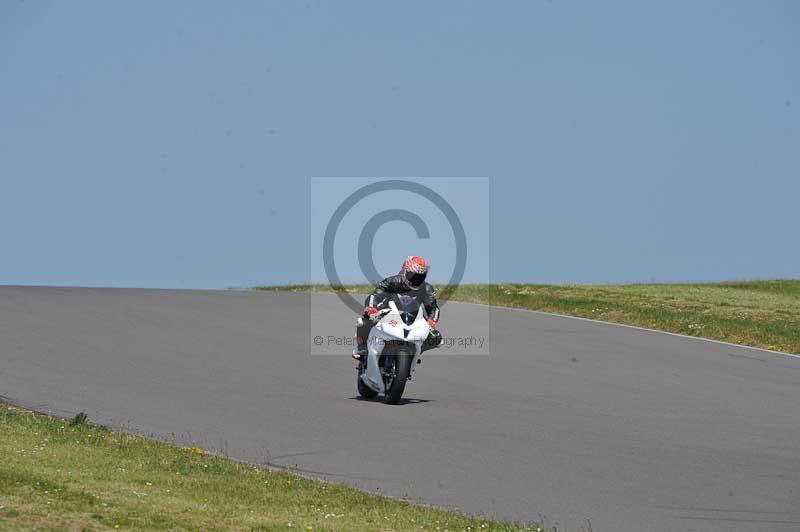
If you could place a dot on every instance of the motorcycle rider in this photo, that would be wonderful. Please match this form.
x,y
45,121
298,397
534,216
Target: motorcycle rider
x,y
410,280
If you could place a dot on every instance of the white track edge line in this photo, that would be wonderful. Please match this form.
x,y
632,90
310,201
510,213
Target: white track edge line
x,y
636,327
601,322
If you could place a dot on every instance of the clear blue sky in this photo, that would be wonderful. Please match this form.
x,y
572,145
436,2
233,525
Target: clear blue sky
x,y
171,144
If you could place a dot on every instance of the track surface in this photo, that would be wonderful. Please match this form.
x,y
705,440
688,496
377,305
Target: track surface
x,y
568,420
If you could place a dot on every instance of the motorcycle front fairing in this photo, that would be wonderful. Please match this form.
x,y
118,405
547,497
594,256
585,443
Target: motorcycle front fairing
x,y
405,321
402,323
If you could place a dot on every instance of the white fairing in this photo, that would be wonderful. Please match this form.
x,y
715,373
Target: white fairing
x,y
391,327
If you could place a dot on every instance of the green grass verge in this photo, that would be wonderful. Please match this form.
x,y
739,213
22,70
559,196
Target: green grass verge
x,y
58,475
762,314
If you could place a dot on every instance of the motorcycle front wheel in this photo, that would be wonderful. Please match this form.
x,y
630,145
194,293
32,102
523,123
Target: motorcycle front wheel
x,y
400,373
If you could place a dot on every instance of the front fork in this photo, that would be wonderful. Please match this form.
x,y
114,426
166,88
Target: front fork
x,y
361,365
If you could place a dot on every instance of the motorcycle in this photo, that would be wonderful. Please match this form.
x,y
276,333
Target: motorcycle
x,y
400,335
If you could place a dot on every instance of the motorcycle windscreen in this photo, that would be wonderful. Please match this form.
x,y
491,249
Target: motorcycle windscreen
x,y
408,307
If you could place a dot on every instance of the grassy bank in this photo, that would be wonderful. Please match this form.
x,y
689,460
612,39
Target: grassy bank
x,y
756,313
59,475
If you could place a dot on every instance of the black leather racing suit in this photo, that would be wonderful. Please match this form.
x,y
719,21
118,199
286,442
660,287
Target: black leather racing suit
x,y
424,293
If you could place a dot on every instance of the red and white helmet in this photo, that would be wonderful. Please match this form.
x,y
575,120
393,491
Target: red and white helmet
x,y
414,271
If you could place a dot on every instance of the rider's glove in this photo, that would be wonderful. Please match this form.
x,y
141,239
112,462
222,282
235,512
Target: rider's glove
x,y
371,312
431,323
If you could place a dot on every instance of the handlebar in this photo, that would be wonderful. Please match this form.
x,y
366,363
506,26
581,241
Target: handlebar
x,y
381,313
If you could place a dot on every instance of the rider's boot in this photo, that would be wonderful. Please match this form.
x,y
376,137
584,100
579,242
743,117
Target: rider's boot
x,y
363,327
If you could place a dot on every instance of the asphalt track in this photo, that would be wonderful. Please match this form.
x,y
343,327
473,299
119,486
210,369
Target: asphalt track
x,y
569,420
